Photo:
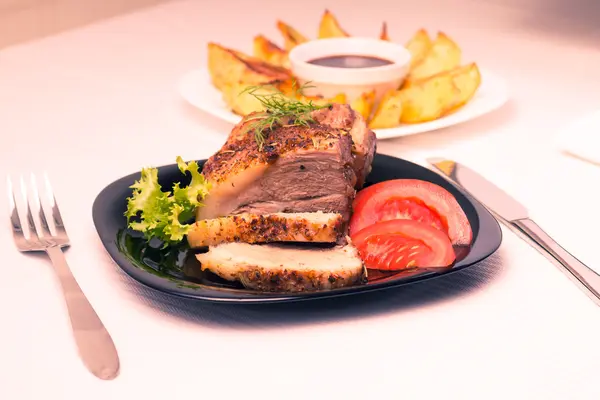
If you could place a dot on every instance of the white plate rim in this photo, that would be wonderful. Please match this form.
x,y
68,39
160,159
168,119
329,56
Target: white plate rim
x,y
491,95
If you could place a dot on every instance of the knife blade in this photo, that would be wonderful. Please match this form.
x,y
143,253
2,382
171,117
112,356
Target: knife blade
x,y
515,215
483,190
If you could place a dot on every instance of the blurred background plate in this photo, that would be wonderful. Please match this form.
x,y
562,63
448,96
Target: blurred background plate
x,y
195,87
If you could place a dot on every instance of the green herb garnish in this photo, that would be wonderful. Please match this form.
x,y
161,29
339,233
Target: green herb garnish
x,y
280,110
164,215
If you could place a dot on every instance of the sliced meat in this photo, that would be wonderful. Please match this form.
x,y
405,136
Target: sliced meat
x,y
315,227
341,116
309,204
285,268
298,169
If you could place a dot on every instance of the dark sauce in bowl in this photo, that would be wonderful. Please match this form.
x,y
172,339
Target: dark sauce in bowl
x,y
350,61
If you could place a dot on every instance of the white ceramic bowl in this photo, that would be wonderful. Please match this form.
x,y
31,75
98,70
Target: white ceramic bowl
x,y
331,81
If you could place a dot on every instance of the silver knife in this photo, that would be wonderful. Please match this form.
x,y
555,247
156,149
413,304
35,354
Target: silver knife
x,y
515,215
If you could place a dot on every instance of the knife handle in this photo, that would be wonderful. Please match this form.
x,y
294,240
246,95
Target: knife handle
x,y
584,274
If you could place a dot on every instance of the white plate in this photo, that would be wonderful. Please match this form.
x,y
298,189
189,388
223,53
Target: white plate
x,y
581,138
197,89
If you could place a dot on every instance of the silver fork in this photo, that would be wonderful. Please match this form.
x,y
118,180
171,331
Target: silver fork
x,y
94,343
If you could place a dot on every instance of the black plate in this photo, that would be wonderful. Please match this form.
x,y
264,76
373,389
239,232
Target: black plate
x,y
173,272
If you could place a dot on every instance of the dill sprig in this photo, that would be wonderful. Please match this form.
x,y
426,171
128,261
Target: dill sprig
x,y
280,110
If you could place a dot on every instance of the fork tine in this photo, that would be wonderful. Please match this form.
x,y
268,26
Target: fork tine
x,y
40,210
56,217
31,224
15,221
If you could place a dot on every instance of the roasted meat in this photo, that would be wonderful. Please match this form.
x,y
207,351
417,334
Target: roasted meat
x,y
341,116
297,184
316,227
285,268
298,169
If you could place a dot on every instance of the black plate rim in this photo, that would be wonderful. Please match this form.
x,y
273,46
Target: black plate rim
x,y
482,248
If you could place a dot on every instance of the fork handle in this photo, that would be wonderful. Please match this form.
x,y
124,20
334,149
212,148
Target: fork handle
x,y
584,274
96,347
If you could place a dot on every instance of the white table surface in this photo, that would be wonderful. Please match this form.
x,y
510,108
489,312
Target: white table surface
x,y
100,102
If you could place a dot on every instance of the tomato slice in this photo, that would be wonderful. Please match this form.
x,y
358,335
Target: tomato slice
x,y
411,199
403,244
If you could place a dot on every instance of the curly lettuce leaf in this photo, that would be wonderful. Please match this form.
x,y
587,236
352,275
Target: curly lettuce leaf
x,y
196,190
162,214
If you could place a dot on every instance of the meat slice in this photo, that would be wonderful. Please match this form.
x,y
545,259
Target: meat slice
x,y
285,268
341,116
316,227
298,169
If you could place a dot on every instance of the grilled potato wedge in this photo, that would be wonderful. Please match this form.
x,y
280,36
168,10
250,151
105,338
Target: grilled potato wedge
x,y
384,33
443,55
440,94
364,104
270,52
321,101
330,27
427,100
291,88
418,46
291,37
388,112
228,66
243,103
467,79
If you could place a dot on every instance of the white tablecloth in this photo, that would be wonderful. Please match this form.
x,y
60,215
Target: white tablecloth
x,y
91,105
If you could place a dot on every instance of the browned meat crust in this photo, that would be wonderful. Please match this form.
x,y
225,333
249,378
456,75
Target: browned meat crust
x,y
283,280
252,228
364,140
242,151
